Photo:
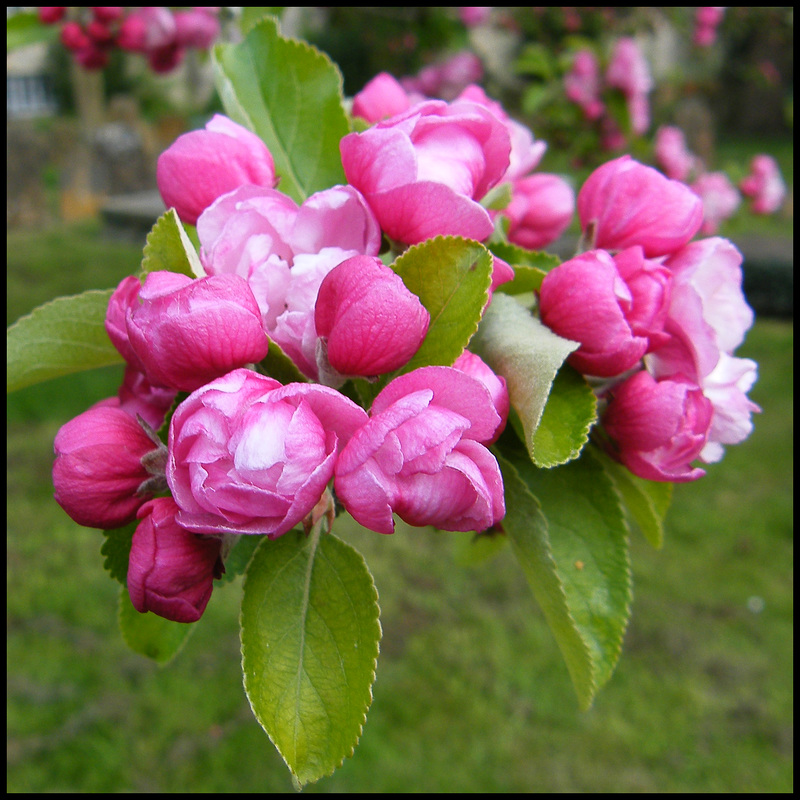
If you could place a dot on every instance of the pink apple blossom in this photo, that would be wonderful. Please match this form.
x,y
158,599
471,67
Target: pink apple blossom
x,y
198,28
284,251
248,455
657,428
171,571
586,300
626,204
540,210
187,332
98,468
420,456
381,97
764,185
707,320
720,199
201,166
628,69
368,322
423,171
526,152
672,153
582,84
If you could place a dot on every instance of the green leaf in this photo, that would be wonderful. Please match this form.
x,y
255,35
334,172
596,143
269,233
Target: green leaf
x,y
568,532
516,345
150,635
58,338
569,414
646,502
530,266
290,94
310,634
451,276
252,15
169,247
117,550
239,556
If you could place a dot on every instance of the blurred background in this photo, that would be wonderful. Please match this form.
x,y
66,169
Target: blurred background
x,y
472,694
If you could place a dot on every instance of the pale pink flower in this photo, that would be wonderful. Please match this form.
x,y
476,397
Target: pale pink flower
x,y
720,199
248,455
284,251
187,332
657,428
472,16
420,456
707,320
423,172
171,571
764,185
626,203
369,323
200,166
540,210
98,467
198,28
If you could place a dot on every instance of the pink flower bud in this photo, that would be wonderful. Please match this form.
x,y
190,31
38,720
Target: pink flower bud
x,y
476,367
201,166
630,204
423,171
140,398
658,427
369,321
123,300
540,210
98,467
420,456
187,332
586,300
107,13
171,571
247,455
49,15
382,97
582,84
73,37
132,34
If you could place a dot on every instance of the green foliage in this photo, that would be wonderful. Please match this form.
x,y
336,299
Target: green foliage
x,y
568,533
516,345
169,248
310,633
63,336
290,95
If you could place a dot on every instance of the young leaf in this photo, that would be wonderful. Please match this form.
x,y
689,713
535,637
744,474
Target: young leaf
x,y
58,338
569,414
117,550
516,345
169,248
150,635
646,502
577,564
451,276
290,94
310,634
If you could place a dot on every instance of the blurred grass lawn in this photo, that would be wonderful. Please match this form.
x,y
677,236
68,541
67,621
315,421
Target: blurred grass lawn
x,y
471,693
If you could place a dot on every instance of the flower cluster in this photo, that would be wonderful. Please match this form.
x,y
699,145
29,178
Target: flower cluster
x,y
721,199
627,72
656,317
159,34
